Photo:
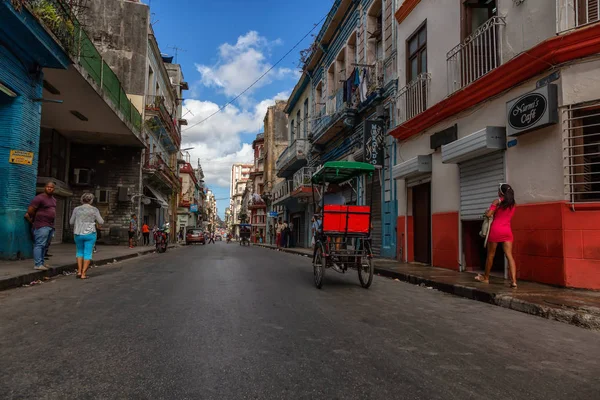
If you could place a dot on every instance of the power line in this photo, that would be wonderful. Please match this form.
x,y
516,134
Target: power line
x,y
260,77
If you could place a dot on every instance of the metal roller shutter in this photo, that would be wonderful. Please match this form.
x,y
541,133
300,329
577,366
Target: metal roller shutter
x,y
479,180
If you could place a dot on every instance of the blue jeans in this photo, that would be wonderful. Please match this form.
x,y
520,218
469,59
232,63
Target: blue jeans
x,y
41,240
85,245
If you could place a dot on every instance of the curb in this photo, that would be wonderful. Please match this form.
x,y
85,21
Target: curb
x,y
25,279
576,318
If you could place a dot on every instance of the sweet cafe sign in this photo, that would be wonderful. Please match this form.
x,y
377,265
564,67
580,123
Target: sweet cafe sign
x,y
533,110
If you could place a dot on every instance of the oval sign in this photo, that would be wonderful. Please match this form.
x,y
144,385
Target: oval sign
x,y
527,111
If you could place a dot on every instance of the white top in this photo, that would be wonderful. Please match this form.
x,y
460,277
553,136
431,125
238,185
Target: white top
x,y
84,218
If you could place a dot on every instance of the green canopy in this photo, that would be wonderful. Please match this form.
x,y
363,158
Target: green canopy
x,y
341,171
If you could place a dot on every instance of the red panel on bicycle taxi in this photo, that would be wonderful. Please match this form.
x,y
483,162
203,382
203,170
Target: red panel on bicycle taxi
x,y
334,219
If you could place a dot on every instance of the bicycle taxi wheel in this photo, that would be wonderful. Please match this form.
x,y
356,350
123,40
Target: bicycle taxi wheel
x,y
366,267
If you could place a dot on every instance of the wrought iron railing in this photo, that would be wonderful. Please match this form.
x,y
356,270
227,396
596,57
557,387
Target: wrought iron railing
x,y
302,177
477,55
155,162
298,148
571,14
412,98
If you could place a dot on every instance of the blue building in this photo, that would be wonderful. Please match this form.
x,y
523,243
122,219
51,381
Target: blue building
x,y
348,85
26,47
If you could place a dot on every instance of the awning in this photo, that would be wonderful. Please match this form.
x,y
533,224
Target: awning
x,y
420,165
480,143
158,197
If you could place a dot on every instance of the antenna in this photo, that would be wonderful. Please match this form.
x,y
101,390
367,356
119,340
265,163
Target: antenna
x,y
176,50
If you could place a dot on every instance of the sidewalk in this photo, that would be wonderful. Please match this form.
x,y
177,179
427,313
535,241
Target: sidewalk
x,y
18,273
572,306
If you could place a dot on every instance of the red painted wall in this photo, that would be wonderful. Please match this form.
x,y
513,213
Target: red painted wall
x,y
581,238
444,236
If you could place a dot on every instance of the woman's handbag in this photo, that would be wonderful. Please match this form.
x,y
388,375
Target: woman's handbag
x,y
485,228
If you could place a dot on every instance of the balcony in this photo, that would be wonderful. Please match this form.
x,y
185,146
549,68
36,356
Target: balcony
x,y
292,158
478,54
282,192
571,14
162,121
301,185
157,171
332,118
412,98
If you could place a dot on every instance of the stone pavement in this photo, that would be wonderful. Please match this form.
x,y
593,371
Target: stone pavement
x,y
573,306
18,273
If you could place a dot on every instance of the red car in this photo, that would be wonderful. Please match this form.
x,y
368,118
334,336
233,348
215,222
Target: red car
x,y
194,236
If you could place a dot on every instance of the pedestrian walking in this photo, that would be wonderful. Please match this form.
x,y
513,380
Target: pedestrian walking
x,y
278,230
132,229
41,214
180,235
84,219
502,210
211,238
146,233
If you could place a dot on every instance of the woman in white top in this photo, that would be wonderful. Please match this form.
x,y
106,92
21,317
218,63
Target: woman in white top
x,y
85,218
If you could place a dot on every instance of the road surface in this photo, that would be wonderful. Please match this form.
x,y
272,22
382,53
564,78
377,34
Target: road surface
x,y
229,322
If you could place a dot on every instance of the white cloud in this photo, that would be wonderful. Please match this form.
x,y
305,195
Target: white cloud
x,y
217,141
240,64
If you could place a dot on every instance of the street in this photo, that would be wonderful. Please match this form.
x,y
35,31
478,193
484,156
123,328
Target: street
x,y
229,322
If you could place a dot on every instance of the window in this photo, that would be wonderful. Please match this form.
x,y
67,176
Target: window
x,y
52,161
102,196
583,148
298,122
306,118
416,53
292,131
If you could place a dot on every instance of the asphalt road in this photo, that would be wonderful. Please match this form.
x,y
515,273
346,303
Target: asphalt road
x,y
226,322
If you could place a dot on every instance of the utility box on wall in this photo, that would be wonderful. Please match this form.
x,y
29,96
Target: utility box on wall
x,y
123,194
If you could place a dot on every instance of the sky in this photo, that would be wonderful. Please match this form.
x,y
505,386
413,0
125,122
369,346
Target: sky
x,y
225,46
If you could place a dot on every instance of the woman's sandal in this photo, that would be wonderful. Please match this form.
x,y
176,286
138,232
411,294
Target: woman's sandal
x,y
481,278
84,277
513,285
78,276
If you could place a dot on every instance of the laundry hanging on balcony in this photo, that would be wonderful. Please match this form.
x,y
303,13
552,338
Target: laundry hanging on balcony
x,y
364,84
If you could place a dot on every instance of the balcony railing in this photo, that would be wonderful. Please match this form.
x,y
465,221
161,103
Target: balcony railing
x,y
298,149
571,14
158,106
477,55
155,163
412,98
282,190
302,177
335,102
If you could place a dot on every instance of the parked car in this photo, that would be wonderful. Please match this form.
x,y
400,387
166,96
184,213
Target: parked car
x,y
195,236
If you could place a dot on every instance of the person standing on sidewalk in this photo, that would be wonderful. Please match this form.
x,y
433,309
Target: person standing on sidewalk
x,y
146,233
84,218
41,214
132,229
502,209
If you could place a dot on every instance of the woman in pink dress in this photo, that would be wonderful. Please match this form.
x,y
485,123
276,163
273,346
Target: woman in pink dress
x,y
502,209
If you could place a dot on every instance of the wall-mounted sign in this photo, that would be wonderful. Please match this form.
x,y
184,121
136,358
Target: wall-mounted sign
x,y
373,142
20,157
273,214
534,110
194,208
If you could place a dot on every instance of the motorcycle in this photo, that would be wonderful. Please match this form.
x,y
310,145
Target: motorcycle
x,y
161,238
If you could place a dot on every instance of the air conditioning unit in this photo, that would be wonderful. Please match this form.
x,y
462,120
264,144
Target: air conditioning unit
x,y
82,176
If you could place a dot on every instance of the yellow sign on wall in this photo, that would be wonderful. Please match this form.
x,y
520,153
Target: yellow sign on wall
x,y
21,157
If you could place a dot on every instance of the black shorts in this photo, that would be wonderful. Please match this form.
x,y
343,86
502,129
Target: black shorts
x,y
131,234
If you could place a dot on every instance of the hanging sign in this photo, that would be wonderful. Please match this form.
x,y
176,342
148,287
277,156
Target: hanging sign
x,y
373,142
20,157
534,110
194,208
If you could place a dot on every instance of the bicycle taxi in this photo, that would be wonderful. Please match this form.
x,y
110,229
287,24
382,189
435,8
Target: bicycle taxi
x,y
245,232
343,240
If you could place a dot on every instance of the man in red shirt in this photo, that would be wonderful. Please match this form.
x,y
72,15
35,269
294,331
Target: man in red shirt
x,y
41,214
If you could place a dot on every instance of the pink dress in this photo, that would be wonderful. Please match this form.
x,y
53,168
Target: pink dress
x,y
500,230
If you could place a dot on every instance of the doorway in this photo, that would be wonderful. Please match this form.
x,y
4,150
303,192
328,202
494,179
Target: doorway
x,y
474,252
421,208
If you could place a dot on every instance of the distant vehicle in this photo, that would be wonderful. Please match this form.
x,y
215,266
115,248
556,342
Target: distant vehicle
x,y
195,236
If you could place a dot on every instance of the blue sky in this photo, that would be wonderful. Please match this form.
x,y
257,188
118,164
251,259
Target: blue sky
x,y
227,44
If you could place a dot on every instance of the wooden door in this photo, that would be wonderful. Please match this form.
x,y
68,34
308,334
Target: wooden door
x,y
421,201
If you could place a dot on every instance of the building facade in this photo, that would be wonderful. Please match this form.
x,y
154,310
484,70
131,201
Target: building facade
x,y
240,173
492,92
257,207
